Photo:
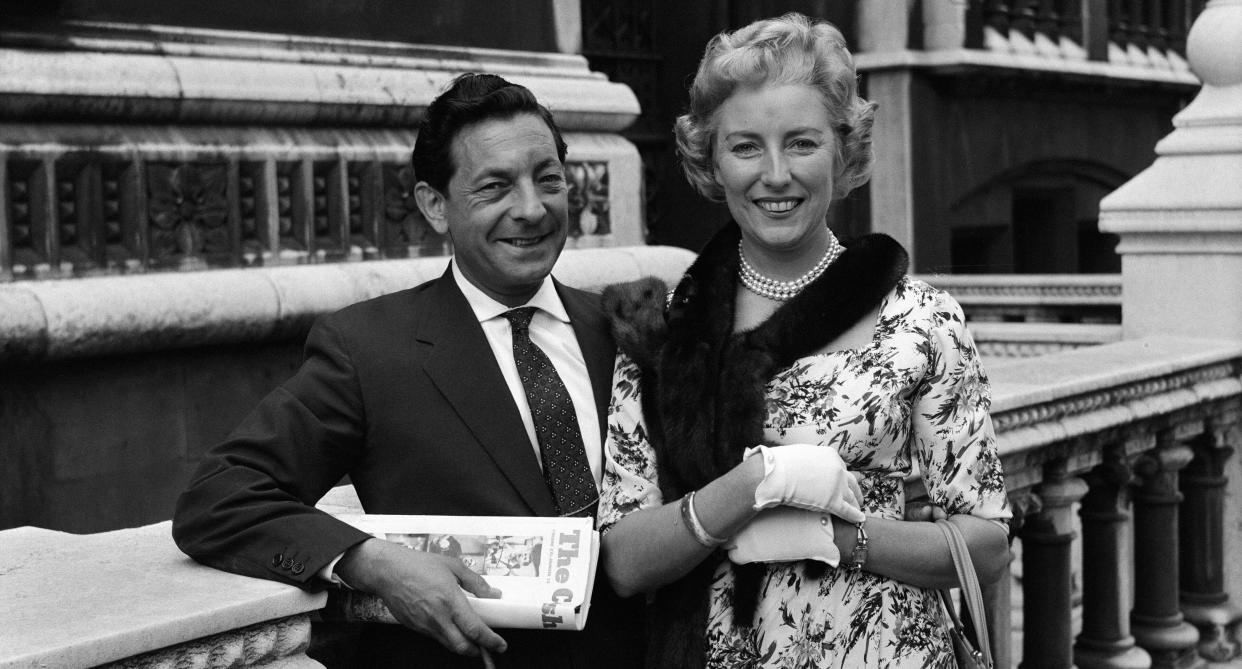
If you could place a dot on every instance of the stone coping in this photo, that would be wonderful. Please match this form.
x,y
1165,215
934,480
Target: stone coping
x,y
1060,333
75,318
1024,382
83,600
949,59
1030,288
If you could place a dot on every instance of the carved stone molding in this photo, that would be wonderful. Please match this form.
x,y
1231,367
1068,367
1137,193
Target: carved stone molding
x,y
1146,390
284,641
124,209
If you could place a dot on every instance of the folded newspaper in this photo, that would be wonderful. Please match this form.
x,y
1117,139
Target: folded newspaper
x,y
544,567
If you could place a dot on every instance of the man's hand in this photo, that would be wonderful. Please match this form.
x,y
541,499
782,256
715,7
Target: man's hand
x,y
924,511
424,592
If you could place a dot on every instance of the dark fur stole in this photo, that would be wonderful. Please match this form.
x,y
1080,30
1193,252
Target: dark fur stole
x,y
703,391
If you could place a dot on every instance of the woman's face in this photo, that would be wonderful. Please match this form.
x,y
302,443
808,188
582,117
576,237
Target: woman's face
x,y
775,155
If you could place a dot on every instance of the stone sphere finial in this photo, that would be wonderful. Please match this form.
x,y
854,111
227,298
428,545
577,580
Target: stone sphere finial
x,y
1214,46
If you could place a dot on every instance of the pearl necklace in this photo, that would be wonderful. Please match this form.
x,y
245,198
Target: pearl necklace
x,y
783,290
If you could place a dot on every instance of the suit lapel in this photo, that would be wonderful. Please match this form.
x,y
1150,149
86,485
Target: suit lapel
x,y
464,369
598,349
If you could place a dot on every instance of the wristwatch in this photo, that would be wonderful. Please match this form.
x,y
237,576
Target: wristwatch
x,y
859,556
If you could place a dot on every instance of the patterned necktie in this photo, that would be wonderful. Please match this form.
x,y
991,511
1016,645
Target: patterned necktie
x,y
565,467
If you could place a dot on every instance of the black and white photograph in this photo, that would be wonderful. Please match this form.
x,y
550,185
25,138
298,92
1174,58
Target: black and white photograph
x,y
622,334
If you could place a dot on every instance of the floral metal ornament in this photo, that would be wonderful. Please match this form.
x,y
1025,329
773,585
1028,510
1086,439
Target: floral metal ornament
x,y
588,198
188,209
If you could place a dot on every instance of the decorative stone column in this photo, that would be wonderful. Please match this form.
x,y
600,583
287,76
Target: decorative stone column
x,y
1157,618
1047,565
1202,524
1105,641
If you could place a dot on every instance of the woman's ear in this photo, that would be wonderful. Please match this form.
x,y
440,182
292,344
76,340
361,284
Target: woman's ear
x,y
431,203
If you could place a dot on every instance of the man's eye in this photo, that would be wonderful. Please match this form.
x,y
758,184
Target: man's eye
x,y
552,180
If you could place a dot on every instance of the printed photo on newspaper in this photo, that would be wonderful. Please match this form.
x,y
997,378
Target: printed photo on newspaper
x,y
544,567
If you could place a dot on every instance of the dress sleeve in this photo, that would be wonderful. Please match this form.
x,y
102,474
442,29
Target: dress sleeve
x,y
952,430
631,481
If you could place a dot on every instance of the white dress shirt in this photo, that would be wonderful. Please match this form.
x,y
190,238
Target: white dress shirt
x,y
550,330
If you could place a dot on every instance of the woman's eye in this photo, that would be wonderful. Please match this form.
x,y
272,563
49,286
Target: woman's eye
x,y
803,145
744,149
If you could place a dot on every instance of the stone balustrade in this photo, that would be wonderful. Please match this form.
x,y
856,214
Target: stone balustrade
x,y
1137,433
1141,41
1044,298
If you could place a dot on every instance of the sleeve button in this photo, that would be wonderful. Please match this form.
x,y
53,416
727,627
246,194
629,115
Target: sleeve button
x,y
298,568
277,559
823,520
287,563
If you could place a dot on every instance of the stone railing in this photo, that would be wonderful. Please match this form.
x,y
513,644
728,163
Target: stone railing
x,y
1138,433
1142,40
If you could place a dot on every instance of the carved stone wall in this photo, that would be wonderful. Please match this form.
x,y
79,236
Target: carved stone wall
x,y
127,149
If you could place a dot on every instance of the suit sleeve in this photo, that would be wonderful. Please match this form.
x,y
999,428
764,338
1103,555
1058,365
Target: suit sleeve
x,y
250,507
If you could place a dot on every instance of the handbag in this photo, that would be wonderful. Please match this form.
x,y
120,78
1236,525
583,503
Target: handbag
x,y
971,653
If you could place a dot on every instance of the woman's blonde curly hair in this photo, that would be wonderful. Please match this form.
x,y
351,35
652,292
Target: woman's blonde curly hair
x,y
791,49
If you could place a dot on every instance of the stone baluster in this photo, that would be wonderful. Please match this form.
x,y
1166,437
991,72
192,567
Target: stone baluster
x,y
1047,566
1157,619
1105,641
1202,523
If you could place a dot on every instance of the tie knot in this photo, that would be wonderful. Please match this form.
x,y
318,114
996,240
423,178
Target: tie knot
x,y
519,319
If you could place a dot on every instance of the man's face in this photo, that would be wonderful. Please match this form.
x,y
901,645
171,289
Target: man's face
x,y
506,209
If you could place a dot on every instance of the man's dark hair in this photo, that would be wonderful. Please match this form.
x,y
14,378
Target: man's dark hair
x,y
471,98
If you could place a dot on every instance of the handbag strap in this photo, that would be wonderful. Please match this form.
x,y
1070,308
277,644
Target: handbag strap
x,y
971,590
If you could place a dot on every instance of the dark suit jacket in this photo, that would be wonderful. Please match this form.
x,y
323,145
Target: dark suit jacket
x,y
403,394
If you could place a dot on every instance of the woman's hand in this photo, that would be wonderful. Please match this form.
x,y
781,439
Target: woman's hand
x,y
807,476
786,534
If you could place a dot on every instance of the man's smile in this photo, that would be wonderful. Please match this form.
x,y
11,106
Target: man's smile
x,y
522,242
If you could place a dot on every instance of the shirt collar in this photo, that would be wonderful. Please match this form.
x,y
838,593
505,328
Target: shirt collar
x,y
486,308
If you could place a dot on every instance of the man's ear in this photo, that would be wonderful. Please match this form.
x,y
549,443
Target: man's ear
x,y
431,203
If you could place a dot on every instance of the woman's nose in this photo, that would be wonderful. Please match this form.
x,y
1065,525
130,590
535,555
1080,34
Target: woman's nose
x,y
775,169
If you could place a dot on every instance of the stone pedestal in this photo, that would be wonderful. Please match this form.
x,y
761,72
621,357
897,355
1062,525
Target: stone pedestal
x,y
1180,221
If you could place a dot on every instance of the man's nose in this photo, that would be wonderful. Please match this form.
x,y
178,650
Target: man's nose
x,y
527,205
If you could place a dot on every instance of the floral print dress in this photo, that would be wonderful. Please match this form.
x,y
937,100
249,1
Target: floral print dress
x,y
915,394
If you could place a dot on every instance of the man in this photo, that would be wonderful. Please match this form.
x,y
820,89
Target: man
x,y
422,398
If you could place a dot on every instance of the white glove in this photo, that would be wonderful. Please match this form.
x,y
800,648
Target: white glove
x,y
785,534
808,476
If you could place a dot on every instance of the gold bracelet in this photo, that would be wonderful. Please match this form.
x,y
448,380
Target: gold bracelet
x,y
691,519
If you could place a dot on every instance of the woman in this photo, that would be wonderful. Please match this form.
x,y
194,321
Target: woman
x,y
762,425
